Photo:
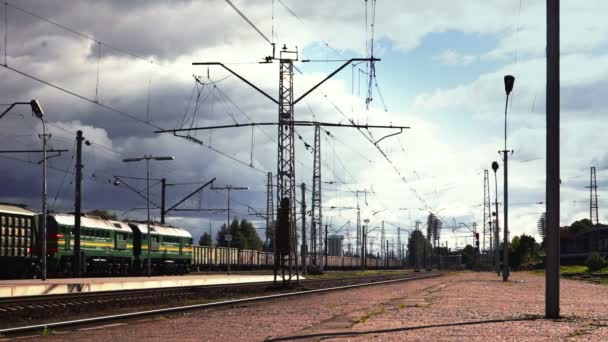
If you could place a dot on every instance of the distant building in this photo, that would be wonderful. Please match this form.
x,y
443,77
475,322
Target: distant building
x,y
334,245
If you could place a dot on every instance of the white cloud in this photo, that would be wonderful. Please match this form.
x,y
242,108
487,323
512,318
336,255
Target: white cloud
x,y
451,57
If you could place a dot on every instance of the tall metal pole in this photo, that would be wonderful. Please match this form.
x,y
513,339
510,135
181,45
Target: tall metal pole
x,y
325,246
509,81
149,267
316,203
147,159
77,204
304,247
382,250
229,232
44,196
162,200
553,195
229,188
496,225
228,211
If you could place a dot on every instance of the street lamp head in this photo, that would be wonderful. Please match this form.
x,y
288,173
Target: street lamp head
x,y
116,182
164,158
509,81
494,166
128,160
36,109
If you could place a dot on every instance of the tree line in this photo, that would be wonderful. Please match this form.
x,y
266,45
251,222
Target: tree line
x,y
243,233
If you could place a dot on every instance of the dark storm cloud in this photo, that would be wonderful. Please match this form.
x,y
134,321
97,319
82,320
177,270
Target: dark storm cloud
x,y
160,29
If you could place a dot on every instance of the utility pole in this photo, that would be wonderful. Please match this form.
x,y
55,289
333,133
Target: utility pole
x,y
386,256
552,145
229,188
417,246
316,217
382,249
325,246
399,243
147,158
77,205
509,81
496,224
163,183
359,231
487,214
304,270
269,210
364,242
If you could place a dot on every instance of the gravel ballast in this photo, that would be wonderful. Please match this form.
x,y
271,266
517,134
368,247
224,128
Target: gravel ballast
x,y
454,307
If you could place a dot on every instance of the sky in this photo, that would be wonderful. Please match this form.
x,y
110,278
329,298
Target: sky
x,y
119,71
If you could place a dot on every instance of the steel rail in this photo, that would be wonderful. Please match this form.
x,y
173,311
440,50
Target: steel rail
x,y
24,300
200,306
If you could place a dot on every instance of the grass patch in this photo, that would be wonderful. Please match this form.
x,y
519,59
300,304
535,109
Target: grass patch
x,y
580,332
572,270
369,315
47,332
401,306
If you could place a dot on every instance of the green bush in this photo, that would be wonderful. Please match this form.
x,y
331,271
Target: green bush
x,y
595,262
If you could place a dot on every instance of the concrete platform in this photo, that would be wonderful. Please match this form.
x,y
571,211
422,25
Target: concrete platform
x,y
35,287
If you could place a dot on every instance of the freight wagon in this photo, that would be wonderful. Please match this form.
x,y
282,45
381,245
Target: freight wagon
x,y
206,258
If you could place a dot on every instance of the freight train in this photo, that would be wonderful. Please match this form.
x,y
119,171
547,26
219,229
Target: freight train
x,y
112,247
108,247
207,258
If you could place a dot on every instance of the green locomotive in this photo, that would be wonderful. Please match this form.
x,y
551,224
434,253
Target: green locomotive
x,y
111,247
108,247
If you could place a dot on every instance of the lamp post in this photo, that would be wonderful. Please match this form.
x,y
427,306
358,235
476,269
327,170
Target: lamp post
x,y
39,113
509,81
496,226
147,159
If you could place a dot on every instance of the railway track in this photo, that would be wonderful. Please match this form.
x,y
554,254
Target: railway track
x,y
83,302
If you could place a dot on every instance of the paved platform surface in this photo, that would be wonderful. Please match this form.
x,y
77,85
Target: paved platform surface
x,y
458,307
32,287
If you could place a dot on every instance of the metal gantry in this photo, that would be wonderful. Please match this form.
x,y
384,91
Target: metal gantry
x,y
286,257
286,180
316,213
593,207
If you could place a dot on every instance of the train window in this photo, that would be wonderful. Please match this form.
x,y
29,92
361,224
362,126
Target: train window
x,y
3,221
28,223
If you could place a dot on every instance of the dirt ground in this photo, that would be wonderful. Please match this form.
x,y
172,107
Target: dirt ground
x,y
455,307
